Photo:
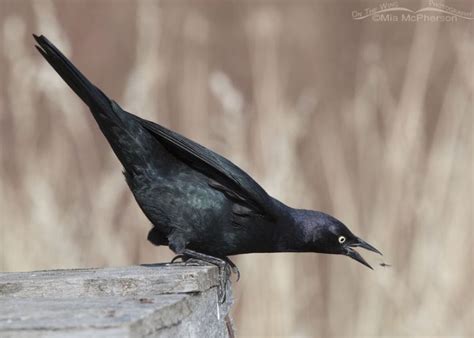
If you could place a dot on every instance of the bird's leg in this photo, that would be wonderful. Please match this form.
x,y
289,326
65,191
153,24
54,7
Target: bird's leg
x,y
223,265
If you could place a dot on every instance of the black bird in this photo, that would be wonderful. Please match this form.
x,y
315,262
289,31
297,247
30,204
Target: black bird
x,y
201,205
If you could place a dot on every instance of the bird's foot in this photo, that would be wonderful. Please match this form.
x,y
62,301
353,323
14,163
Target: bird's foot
x,y
226,267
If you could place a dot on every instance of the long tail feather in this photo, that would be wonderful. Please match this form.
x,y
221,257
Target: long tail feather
x,y
132,144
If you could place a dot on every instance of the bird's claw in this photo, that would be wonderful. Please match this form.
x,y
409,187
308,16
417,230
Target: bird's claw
x,y
175,258
237,272
233,268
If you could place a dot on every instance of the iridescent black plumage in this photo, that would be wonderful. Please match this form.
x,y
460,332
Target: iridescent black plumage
x,y
196,199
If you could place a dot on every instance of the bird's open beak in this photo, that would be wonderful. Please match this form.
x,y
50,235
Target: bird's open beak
x,y
355,255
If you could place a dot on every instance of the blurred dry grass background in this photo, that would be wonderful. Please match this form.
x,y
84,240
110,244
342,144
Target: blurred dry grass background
x,y
371,122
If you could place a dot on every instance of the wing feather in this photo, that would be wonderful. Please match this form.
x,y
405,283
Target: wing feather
x,y
223,174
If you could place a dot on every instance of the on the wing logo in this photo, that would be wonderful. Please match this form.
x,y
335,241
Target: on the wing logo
x,y
436,11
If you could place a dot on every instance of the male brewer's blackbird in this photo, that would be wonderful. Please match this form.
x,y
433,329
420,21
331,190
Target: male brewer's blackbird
x,y
200,204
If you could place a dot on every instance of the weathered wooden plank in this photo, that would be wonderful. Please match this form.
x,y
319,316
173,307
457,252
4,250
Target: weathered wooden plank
x,y
143,279
97,312
139,301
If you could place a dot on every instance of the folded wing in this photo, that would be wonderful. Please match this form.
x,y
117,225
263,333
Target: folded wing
x,y
224,175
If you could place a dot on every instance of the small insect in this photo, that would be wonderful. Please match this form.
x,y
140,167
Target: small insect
x,y
385,265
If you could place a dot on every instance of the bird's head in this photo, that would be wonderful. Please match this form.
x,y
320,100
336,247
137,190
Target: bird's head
x,y
323,233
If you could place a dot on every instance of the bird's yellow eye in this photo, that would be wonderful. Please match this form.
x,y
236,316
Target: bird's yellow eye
x,y
341,239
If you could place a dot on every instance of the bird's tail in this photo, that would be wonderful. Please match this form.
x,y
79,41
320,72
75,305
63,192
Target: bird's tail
x,y
130,142
89,93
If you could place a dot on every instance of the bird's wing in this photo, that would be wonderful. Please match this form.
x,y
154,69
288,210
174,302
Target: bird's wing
x,y
224,175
